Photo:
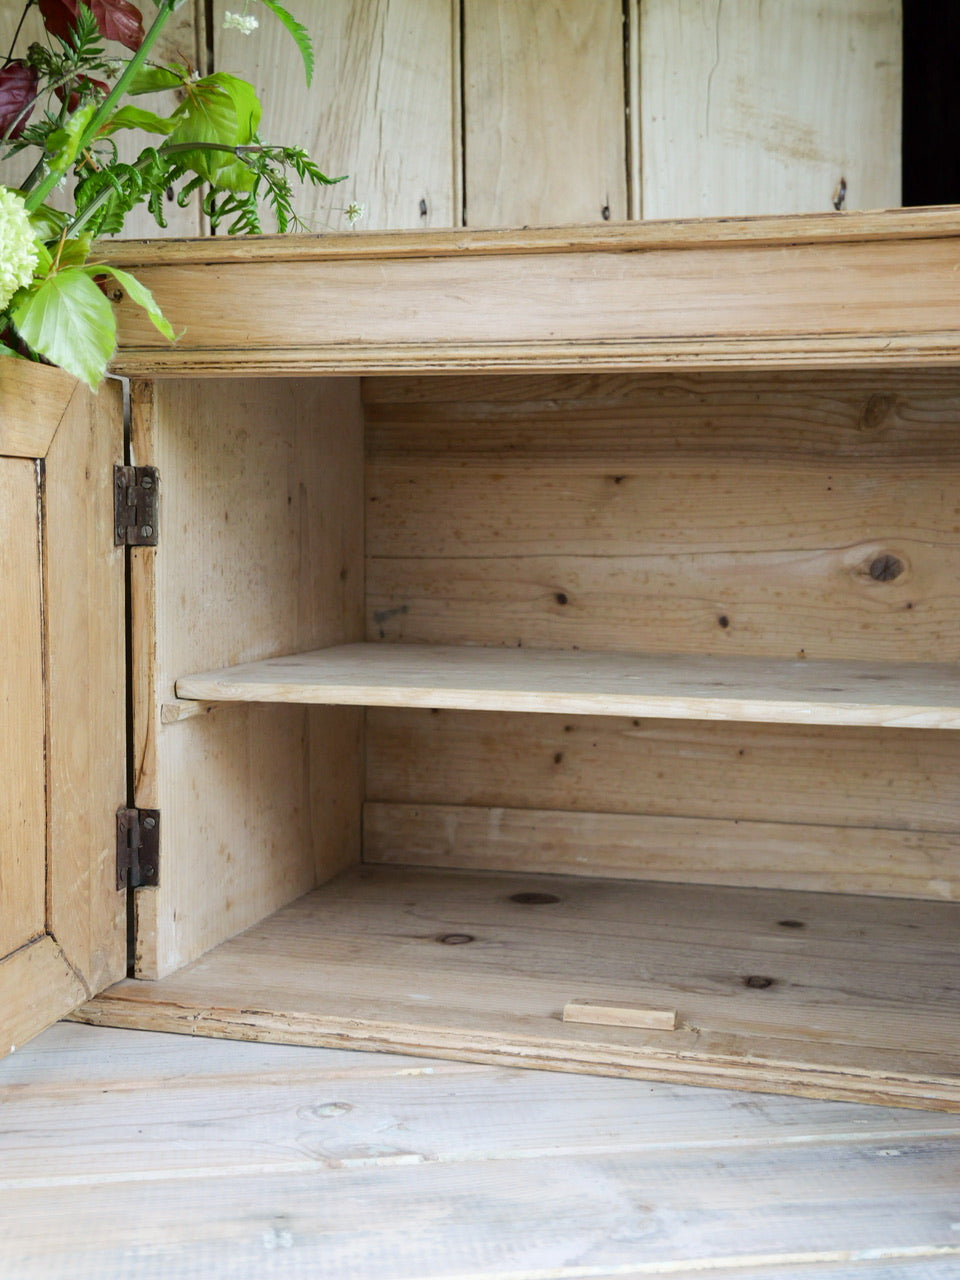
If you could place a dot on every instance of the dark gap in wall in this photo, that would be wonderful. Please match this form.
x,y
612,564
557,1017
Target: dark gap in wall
x,y
931,102
461,71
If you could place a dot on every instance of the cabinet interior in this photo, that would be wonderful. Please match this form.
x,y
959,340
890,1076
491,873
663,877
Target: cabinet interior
x,y
766,848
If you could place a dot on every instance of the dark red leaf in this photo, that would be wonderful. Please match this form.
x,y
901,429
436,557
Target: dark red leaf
x,y
18,88
81,83
116,19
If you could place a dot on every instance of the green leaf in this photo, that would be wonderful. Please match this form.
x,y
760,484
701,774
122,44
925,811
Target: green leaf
x,y
137,118
48,223
75,252
154,79
219,111
141,295
70,322
63,145
300,34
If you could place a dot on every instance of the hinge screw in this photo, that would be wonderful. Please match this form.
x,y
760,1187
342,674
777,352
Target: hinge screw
x,y
146,531
150,823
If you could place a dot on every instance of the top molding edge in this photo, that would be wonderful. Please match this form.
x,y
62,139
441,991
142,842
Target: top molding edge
x,y
701,233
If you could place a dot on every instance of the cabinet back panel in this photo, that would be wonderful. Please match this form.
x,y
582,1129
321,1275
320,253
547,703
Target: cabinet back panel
x,y
780,517
788,515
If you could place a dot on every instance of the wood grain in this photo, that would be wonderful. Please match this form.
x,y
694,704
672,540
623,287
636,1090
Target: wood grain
x,y
616,1164
85,679
614,1013
749,110
935,222
33,404
855,1005
259,554
38,985
606,307
731,851
478,678
382,109
543,116
899,779
22,780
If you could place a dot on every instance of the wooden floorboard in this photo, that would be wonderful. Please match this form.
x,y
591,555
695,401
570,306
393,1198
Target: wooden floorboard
x,y
828,995
127,1154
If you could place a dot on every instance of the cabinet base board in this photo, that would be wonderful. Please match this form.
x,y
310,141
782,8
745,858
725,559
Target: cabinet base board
x,y
822,995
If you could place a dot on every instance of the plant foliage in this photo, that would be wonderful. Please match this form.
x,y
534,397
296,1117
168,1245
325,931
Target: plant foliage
x,y
65,101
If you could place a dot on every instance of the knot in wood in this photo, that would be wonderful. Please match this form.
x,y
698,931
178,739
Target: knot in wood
x,y
885,568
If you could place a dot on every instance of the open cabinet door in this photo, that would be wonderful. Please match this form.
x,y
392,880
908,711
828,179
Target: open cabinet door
x,y
62,705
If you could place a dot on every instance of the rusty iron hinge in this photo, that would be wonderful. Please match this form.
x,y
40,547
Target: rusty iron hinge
x,y
138,848
135,506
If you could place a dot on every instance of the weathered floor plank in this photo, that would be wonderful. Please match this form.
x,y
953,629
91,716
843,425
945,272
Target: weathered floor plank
x,y
130,1154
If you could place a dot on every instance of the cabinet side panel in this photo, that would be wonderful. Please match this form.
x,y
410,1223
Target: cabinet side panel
x,y
260,554
84,623
22,809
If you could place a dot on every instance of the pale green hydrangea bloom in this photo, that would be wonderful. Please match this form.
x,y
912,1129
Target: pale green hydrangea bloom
x,y
18,250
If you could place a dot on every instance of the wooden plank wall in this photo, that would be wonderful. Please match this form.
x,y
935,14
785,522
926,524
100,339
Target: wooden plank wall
x,y
799,516
488,112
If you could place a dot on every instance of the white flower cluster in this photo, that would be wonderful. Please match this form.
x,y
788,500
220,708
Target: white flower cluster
x,y
354,212
18,250
245,23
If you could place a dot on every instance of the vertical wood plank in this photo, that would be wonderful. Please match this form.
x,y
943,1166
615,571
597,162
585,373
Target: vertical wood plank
x,y
750,108
544,132
260,553
22,808
382,108
86,751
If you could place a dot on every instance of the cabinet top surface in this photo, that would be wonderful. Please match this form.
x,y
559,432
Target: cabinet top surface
x,y
624,237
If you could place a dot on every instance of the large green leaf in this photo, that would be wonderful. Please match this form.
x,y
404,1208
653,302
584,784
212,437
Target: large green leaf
x,y
151,79
299,32
141,295
137,118
219,111
70,322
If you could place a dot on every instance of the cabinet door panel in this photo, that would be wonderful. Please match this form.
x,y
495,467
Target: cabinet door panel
x,y
62,734
22,811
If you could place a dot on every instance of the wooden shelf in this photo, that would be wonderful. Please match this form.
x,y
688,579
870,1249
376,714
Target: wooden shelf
x,y
827,995
917,695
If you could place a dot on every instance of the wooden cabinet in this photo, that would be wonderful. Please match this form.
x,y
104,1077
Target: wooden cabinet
x,y
62,698
550,652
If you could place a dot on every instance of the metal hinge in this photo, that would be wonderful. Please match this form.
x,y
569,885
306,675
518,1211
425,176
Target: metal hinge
x,y
138,848
135,506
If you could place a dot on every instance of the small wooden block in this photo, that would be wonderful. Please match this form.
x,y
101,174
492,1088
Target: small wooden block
x,y
611,1013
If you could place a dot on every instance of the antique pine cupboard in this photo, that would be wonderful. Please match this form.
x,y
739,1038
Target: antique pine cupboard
x,y
548,654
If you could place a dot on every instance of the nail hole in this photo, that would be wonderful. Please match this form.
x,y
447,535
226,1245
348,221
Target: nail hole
x,y
757,982
723,620
561,597
533,899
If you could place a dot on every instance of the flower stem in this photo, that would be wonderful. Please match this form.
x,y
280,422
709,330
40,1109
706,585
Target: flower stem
x,y
105,111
